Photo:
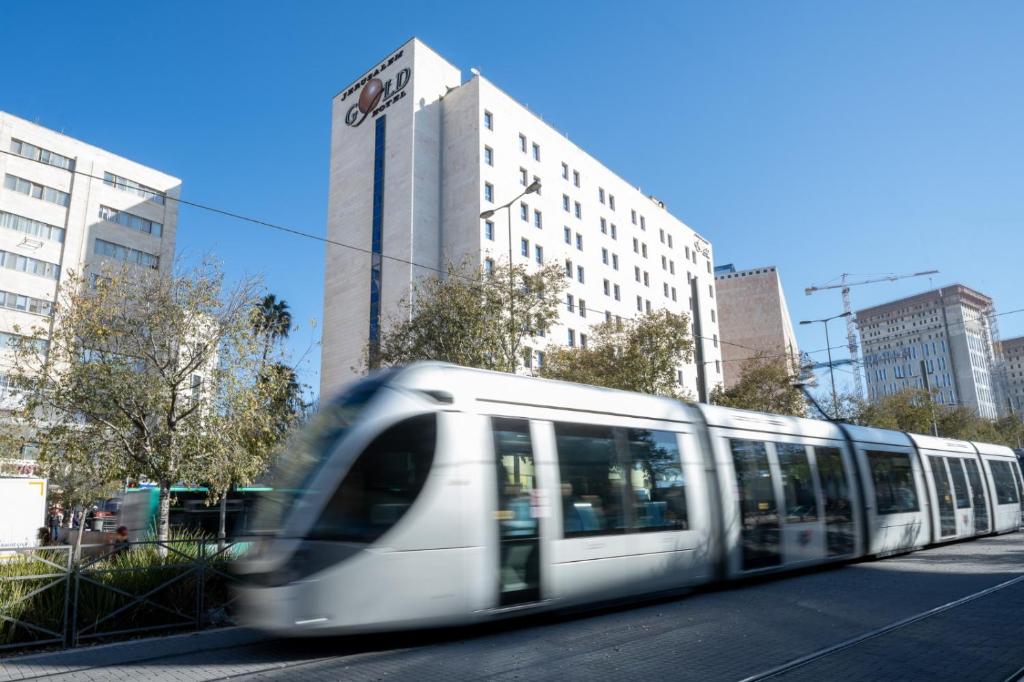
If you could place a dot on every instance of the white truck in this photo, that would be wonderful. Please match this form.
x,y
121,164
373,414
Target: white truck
x,y
22,511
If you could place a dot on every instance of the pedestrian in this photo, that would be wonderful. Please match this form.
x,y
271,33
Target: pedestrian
x,y
121,543
54,523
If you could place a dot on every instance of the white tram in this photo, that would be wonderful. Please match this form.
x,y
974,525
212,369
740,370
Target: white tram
x,y
440,495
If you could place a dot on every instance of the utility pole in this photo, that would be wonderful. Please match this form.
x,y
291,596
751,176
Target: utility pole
x,y
931,403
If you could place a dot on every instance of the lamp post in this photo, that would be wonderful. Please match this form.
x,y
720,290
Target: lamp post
x,y
530,189
828,347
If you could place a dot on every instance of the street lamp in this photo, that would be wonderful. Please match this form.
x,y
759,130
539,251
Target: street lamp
x,y
530,189
828,347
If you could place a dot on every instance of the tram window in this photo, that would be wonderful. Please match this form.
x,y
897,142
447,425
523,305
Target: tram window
x,y
516,477
592,480
797,482
1002,475
835,489
657,481
1020,483
382,484
963,498
893,476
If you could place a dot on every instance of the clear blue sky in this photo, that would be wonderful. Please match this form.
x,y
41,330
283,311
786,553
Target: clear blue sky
x,y
867,137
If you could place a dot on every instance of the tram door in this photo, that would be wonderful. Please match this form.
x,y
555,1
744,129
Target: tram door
x,y
760,533
978,498
518,527
943,497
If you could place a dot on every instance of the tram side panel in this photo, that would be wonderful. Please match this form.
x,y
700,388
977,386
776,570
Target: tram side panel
x,y
897,508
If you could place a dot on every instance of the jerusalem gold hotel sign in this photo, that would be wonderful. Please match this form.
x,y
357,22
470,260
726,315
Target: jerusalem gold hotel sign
x,y
377,90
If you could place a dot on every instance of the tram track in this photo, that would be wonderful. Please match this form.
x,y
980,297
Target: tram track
x,y
821,654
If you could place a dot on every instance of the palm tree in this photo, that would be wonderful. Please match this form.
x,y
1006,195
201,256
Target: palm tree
x,y
271,320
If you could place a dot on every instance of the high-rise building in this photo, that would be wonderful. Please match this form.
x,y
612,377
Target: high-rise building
x,y
946,333
65,205
753,318
1013,359
417,154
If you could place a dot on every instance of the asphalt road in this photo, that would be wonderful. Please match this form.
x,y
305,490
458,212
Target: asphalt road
x,y
954,612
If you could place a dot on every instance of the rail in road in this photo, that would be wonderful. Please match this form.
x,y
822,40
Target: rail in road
x,y
952,612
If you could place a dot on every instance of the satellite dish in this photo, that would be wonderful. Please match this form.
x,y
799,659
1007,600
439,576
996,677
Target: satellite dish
x,y
475,71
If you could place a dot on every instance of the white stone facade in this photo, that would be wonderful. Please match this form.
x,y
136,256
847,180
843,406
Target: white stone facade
x,y
947,329
58,196
753,318
449,143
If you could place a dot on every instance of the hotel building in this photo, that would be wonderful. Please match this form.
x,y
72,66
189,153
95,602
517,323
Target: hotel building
x,y
947,332
418,153
64,205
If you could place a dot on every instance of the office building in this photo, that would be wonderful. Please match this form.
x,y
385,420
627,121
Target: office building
x,y
418,153
753,319
1013,367
66,205
946,334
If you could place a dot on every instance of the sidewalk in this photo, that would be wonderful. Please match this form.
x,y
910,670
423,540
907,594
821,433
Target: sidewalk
x,y
34,666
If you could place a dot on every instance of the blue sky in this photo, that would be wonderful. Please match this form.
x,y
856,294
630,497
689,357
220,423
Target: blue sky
x,y
867,137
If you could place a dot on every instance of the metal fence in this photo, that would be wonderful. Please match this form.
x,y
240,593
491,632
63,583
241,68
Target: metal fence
x,y
49,599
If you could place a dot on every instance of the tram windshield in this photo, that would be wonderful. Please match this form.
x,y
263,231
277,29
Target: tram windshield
x,y
307,450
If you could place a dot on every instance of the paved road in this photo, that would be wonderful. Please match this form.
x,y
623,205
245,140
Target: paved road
x,y
899,618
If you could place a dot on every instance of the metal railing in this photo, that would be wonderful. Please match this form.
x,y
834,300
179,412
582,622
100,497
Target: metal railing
x,y
113,592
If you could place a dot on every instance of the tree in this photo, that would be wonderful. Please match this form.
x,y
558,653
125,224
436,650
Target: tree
x,y
271,321
642,354
473,318
150,375
765,385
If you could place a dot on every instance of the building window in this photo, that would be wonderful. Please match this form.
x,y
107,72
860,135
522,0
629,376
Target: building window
x,y
674,298
712,310
643,223
523,177
488,156
632,215
137,223
538,220
565,171
600,194
568,235
670,241
636,245
611,201
661,235
607,288
570,303
579,241
568,268
572,338
643,250
489,230
565,202
31,227
604,255
576,178
28,304
488,266
647,306
640,303
672,267
522,143
664,287
524,247
615,261
489,192
124,253
37,191
579,274
583,337
536,152
647,279
126,185
579,210
32,266
538,254
488,120
615,233
615,289
524,211
604,226
540,359
607,316
636,273
536,179
30,151
664,263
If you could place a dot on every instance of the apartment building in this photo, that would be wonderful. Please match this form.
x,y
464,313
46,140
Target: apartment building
x,y
946,331
66,205
753,318
418,153
1013,359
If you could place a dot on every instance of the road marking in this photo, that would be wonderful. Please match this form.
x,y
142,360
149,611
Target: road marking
x,y
828,651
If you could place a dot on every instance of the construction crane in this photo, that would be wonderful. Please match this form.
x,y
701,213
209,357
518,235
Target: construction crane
x,y
851,325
